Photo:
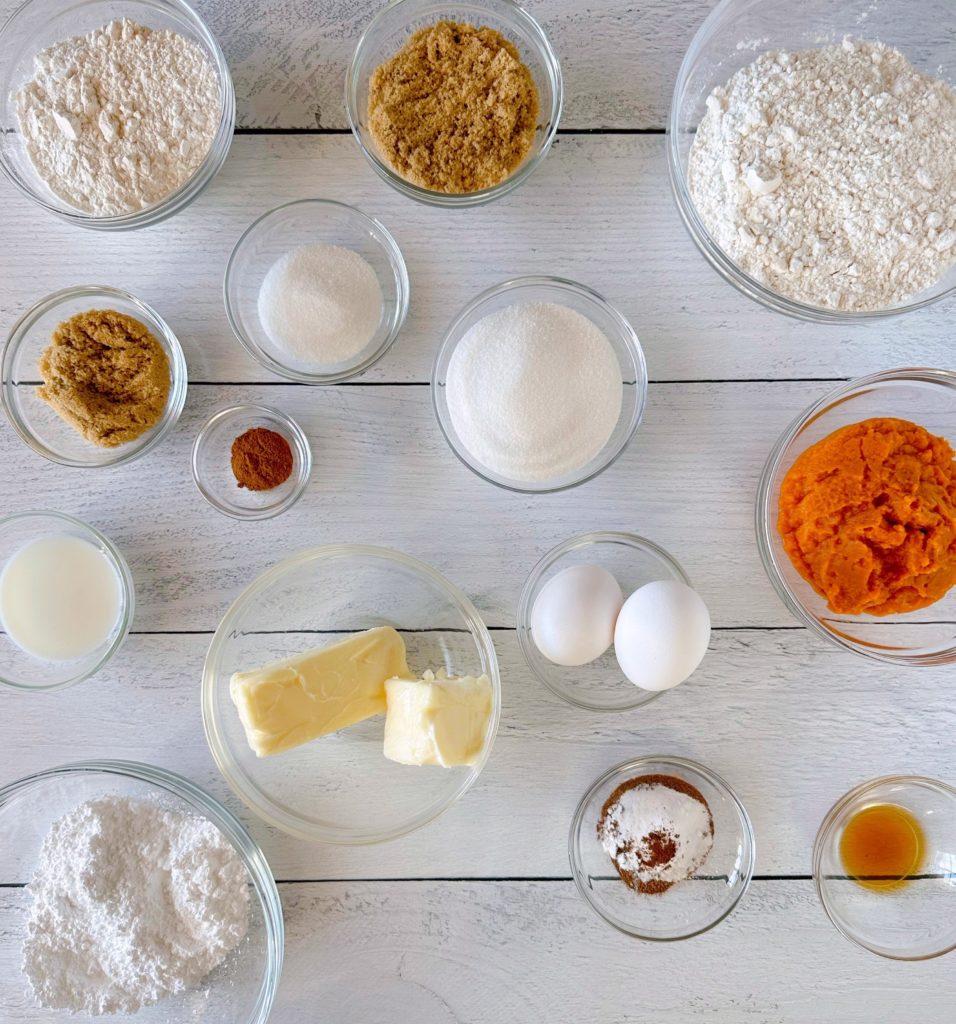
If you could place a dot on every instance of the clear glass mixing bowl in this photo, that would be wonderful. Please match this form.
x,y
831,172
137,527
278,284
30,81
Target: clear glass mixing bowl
x,y
733,35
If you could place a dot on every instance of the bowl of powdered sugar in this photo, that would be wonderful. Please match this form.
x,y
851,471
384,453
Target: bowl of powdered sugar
x,y
812,153
113,115
131,894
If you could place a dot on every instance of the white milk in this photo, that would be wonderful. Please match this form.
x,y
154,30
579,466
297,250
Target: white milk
x,y
60,598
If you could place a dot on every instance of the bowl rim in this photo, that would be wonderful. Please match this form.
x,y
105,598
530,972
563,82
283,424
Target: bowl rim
x,y
547,561
228,824
293,824
127,589
765,517
629,341
300,443
832,820
509,10
723,13
178,374
396,261
198,180
748,839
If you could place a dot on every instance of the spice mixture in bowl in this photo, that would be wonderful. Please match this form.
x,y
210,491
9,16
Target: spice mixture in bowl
x,y
454,104
113,116
856,517
92,376
661,848
251,462
812,153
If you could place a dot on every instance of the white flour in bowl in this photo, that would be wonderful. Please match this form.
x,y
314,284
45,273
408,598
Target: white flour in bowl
x,y
130,903
829,175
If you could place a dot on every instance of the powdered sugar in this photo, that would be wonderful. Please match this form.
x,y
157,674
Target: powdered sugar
x,y
830,175
130,903
117,120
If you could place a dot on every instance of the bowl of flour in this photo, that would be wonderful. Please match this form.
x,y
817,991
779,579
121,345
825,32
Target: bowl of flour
x,y
113,116
131,894
812,153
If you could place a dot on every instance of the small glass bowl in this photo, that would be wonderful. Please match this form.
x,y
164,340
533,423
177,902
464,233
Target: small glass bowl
x,y
242,989
387,33
690,907
916,921
35,421
313,222
928,397
22,671
341,788
632,561
40,23
732,36
603,315
212,463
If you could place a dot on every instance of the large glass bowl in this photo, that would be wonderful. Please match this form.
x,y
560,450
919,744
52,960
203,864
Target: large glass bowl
x,y
386,34
913,921
40,23
240,991
341,788
619,333
733,35
927,397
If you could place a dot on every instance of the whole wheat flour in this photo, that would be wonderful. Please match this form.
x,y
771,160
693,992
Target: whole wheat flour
x,y
829,175
130,903
117,120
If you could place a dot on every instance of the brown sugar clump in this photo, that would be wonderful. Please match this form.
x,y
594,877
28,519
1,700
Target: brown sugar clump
x,y
106,375
455,110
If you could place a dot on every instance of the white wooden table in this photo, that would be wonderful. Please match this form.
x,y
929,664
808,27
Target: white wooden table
x,y
474,919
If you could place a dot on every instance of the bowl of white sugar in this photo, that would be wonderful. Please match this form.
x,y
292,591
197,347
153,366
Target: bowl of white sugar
x,y
812,153
112,115
539,384
316,291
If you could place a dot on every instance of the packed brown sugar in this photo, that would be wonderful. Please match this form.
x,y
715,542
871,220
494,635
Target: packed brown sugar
x,y
868,517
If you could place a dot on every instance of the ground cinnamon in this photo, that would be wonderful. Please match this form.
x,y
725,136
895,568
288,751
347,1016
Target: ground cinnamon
x,y
261,459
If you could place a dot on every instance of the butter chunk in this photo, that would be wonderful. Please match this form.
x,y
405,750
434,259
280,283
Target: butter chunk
x,y
298,699
437,721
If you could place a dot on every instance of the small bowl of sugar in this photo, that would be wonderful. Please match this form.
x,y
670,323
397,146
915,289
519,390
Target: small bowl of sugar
x,y
316,291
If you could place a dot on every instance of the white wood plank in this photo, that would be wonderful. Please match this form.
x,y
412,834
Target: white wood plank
x,y
532,952
599,212
789,724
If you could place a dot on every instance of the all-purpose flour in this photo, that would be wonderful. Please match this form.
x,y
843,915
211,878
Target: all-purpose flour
x,y
130,903
117,120
830,175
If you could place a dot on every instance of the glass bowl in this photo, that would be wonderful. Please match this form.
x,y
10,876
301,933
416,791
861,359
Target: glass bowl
x,y
387,33
341,788
22,671
915,921
690,907
35,421
313,222
603,315
212,463
928,397
632,561
40,23
240,991
732,36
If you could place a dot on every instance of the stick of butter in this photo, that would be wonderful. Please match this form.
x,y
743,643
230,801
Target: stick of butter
x,y
298,699
437,721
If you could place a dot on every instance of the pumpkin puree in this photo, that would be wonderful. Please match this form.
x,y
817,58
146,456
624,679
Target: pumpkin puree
x,y
868,517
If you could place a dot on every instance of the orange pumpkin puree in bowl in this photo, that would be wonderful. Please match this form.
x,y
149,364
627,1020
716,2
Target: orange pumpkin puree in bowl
x,y
868,517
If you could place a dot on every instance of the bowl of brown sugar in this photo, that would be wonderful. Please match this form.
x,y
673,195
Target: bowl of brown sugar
x,y
454,104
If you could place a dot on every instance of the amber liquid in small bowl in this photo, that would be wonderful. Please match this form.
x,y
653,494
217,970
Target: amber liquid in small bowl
x,y
882,847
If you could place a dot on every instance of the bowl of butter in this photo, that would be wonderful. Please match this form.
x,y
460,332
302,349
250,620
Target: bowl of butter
x,y
351,694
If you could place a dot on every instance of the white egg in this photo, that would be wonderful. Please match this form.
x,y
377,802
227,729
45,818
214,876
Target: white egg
x,y
661,635
572,621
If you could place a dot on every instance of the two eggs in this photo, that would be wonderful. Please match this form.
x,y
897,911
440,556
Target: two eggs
x,y
660,633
